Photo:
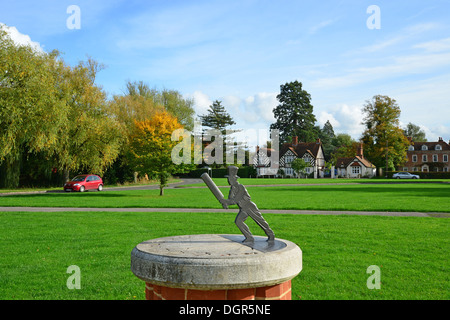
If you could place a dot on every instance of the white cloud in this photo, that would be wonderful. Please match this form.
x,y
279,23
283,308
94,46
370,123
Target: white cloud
x,y
321,25
435,46
408,33
263,104
21,39
201,102
252,112
325,116
382,45
345,119
232,104
433,134
399,66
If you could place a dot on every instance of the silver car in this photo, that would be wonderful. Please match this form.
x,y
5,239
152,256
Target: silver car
x,y
405,175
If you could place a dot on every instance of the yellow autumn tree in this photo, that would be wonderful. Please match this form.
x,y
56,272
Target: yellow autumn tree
x,y
151,147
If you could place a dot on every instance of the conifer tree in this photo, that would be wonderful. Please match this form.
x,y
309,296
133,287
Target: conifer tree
x,y
294,115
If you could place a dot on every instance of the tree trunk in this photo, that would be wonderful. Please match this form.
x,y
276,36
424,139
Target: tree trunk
x,y
66,175
10,173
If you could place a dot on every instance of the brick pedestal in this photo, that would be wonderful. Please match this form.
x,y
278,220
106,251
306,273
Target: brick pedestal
x,y
281,291
216,267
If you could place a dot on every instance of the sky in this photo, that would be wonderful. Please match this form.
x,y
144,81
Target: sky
x,y
241,52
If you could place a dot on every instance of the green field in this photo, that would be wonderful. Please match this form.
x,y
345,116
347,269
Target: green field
x,y
278,181
412,252
430,197
37,249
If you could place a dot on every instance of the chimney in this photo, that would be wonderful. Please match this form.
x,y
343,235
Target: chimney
x,y
360,151
440,139
318,141
295,140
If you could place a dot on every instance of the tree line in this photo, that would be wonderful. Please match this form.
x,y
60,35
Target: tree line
x,y
385,142
56,122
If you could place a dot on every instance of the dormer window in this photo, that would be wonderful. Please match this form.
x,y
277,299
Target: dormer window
x,y
411,148
438,147
424,147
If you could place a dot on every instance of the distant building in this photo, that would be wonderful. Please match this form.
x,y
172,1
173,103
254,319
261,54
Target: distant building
x,y
427,157
311,152
355,167
262,162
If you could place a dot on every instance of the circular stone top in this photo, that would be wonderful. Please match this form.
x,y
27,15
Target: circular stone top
x,y
215,261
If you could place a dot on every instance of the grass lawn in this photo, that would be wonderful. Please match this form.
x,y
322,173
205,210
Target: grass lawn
x,y
278,181
430,197
37,249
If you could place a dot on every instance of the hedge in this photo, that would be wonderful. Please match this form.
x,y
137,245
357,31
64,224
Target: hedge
x,y
244,172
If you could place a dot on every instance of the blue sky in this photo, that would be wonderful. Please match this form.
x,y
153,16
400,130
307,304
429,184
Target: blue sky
x,y
240,52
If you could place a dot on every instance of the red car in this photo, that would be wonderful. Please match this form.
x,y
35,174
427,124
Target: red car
x,y
84,182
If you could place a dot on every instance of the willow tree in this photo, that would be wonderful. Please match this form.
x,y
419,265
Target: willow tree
x,y
53,112
90,139
31,108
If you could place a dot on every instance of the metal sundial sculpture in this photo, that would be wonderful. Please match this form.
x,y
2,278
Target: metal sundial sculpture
x,y
239,195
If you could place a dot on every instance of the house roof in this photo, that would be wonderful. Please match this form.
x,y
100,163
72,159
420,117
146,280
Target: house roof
x,y
345,162
430,145
301,148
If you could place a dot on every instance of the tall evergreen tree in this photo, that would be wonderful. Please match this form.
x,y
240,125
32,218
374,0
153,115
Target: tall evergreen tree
x,y
217,117
327,135
294,115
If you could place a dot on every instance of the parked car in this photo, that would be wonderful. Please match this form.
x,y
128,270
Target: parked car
x,y
84,182
405,175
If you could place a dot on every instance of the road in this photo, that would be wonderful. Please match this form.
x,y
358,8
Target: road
x,y
298,212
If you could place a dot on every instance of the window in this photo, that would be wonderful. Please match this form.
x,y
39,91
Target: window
x,y
445,169
438,147
356,170
424,147
445,158
435,158
414,158
414,169
424,158
411,148
405,168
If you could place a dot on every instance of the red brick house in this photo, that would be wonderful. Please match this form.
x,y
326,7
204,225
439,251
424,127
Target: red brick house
x,y
428,157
